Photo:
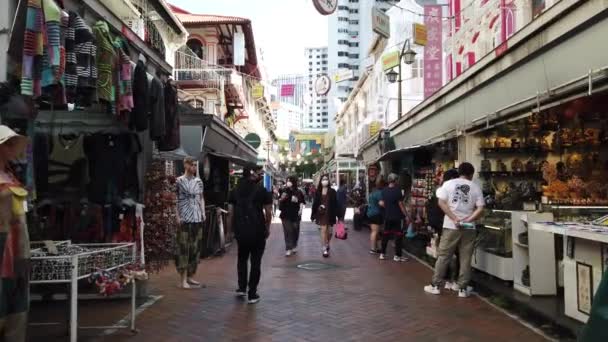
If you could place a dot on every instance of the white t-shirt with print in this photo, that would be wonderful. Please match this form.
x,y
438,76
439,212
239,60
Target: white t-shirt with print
x,y
462,196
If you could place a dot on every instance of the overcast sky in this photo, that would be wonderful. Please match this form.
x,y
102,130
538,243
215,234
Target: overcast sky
x,y
282,28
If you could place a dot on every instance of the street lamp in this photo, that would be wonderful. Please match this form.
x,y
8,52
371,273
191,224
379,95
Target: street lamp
x,y
408,56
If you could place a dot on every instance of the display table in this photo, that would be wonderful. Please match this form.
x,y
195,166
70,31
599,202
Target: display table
x,y
585,258
70,263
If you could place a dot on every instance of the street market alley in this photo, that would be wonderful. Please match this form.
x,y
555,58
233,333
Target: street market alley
x,y
352,296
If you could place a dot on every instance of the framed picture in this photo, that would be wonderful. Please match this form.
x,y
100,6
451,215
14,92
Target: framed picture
x,y
604,248
584,285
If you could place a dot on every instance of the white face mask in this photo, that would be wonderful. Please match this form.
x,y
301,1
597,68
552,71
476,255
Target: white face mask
x,y
289,184
325,183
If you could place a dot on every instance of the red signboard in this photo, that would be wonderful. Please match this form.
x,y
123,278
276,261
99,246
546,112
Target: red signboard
x,y
287,89
433,51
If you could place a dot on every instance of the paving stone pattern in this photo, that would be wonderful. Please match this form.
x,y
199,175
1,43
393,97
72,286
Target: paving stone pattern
x,y
359,298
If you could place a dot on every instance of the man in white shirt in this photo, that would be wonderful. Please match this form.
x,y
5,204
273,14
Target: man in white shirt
x,y
462,202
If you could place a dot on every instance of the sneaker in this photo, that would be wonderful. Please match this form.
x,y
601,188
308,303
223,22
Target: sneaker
x,y
382,257
397,259
288,253
253,299
294,250
463,293
241,293
449,285
326,253
432,289
374,251
404,258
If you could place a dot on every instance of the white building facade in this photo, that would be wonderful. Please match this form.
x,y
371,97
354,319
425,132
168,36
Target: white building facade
x,y
350,36
316,115
288,119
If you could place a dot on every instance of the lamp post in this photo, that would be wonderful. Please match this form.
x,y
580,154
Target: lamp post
x,y
408,57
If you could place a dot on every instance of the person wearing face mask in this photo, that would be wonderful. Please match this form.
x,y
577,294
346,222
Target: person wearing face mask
x,y
291,204
250,215
325,211
14,242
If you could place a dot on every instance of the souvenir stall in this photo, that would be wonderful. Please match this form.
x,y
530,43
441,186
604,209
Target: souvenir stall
x,y
420,170
94,111
543,178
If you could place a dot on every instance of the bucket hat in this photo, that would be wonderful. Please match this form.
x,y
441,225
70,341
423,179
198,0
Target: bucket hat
x,y
7,134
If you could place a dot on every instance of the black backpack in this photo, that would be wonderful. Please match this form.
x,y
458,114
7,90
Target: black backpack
x,y
248,219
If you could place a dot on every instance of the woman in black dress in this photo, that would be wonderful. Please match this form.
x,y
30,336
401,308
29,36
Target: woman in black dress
x,y
325,211
291,204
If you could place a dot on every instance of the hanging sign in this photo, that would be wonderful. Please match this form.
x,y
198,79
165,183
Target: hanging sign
x,y
257,91
433,58
322,85
344,75
374,128
420,34
390,60
326,7
253,140
381,22
239,48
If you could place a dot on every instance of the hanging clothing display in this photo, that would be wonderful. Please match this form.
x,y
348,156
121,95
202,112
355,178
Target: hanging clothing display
x,y
157,109
125,91
109,161
67,167
139,114
81,61
14,261
33,47
170,140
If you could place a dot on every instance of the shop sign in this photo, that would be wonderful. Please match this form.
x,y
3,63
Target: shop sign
x,y
374,128
238,39
343,75
381,22
433,51
326,7
420,34
322,85
390,60
253,140
257,91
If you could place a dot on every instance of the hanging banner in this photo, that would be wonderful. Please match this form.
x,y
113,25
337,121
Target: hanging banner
x,y
390,60
343,75
433,61
257,91
239,48
420,34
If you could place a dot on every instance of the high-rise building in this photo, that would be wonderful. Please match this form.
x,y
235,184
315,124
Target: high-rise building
x,y
288,118
316,116
349,39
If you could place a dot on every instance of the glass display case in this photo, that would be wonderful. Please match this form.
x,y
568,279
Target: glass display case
x,y
495,233
582,214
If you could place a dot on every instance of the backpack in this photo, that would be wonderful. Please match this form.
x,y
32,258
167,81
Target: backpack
x,y
248,219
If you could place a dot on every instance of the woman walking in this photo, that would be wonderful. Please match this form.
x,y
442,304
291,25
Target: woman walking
x,y
375,214
291,204
395,213
325,211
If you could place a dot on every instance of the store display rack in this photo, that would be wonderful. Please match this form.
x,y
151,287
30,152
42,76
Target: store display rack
x,y
70,263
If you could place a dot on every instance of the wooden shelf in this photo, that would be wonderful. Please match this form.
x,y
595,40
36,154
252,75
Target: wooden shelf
x,y
511,150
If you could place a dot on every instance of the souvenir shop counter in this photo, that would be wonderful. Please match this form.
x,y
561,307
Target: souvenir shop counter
x,y
111,266
585,259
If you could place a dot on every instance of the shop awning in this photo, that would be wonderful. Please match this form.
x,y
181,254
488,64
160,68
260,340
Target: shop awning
x,y
233,159
179,154
206,133
395,154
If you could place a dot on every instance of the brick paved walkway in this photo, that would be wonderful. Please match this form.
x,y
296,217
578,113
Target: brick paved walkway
x,y
359,299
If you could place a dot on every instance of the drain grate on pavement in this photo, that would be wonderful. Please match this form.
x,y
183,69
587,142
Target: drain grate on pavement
x,y
315,266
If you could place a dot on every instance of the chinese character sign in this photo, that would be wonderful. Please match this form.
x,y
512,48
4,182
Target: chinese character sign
x,y
433,51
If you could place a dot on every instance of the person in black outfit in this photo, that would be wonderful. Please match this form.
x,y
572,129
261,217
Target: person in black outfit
x,y
435,218
291,204
250,213
325,211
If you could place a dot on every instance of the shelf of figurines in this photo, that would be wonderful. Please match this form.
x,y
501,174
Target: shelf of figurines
x,y
511,174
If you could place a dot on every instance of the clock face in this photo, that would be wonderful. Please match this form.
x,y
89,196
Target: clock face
x,y
322,85
326,7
